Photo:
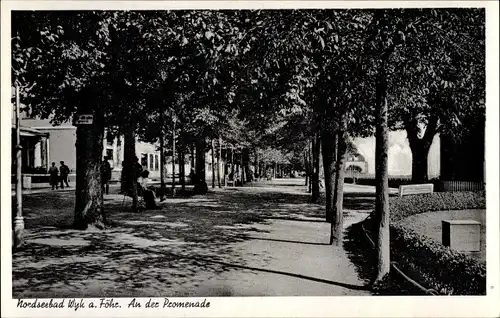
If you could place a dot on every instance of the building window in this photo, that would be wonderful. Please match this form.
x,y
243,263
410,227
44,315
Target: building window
x,y
144,160
157,165
151,162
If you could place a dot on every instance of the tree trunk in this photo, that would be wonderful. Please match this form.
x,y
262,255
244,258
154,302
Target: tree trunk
x,y
182,167
130,170
162,162
213,164
255,164
225,162
246,162
420,146
261,169
162,155
89,208
306,166
329,146
182,158
193,166
337,225
232,160
315,175
242,168
419,164
310,162
200,164
173,159
381,176
219,163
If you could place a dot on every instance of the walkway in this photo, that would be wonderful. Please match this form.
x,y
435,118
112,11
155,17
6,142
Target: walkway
x,y
251,241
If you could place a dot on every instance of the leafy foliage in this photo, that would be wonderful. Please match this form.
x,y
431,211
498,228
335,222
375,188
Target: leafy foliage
x,y
254,77
438,201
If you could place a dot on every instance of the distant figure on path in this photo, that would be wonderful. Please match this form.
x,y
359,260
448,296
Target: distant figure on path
x,y
250,175
54,176
64,171
237,178
192,176
105,175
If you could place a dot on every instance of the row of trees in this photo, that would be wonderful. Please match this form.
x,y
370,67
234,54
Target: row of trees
x,y
287,79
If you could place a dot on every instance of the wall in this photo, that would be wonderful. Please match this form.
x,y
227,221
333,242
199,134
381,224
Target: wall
x,y
153,158
61,141
400,157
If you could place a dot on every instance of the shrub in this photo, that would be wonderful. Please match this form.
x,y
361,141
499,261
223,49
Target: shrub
x,y
394,182
451,272
403,207
427,261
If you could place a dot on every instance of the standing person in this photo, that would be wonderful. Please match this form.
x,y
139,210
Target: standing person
x,y
192,176
64,172
237,178
54,176
105,175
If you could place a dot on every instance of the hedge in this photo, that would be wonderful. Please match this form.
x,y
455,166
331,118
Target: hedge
x,y
402,207
393,182
441,268
438,267
450,272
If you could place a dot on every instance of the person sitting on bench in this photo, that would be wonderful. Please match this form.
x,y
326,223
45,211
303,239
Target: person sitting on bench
x,y
147,192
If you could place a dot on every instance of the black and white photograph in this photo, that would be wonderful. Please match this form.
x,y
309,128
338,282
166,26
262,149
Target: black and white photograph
x,y
178,158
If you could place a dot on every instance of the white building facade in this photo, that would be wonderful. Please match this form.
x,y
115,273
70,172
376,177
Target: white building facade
x,y
400,156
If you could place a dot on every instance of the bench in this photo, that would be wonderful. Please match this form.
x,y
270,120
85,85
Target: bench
x,y
411,189
230,182
462,235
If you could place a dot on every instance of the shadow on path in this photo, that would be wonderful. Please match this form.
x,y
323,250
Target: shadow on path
x,y
186,242
284,218
319,280
285,241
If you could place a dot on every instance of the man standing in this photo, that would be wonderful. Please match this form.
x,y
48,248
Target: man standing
x,y
105,175
64,172
54,176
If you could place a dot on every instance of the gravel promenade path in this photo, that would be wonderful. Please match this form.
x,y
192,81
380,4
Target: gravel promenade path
x,y
261,240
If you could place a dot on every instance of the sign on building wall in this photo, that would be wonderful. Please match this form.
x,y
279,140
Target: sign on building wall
x,y
84,119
